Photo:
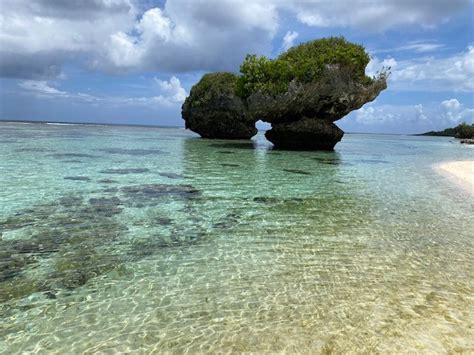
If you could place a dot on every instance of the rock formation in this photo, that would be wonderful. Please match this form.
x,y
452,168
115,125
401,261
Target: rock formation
x,y
213,110
301,94
303,116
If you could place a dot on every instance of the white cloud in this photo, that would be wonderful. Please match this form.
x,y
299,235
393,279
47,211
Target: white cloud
x,y
40,87
170,93
288,40
370,115
420,114
375,15
408,118
453,111
375,65
185,36
414,46
454,73
38,36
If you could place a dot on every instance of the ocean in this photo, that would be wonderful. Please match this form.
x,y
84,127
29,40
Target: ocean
x,y
123,239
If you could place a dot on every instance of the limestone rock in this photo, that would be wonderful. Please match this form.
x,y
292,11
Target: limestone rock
x,y
305,134
213,110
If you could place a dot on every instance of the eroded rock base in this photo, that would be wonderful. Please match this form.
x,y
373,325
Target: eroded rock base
x,y
306,134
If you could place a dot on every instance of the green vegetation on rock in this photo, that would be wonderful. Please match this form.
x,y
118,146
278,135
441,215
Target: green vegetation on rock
x,y
305,63
213,82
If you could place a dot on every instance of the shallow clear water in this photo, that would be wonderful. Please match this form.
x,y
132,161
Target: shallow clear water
x,y
129,238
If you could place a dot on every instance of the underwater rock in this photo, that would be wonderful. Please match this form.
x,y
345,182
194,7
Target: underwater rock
x,y
77,178
34,150
158,190
125,171
296,171
171,175
265,199
107,206
107,181
213,109
230,220
133,152
72,155
164,221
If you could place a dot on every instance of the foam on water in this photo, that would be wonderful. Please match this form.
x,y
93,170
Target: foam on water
x,y
131,238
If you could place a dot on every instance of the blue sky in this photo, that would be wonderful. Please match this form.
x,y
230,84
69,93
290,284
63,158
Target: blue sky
x,y
134,62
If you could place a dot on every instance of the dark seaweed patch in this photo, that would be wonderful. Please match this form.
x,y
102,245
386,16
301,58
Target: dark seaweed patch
x,y
125,171
296,171
230,220
107,181
159,190
134,152
373,161
72,155
265,199
70,200
72,161
164,221
171,175
327,161
77,178
34,150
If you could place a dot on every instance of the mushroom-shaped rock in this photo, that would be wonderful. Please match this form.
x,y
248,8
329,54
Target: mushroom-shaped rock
x,y
306,89
213,110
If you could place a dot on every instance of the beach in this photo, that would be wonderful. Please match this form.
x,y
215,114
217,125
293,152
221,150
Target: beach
x,y
460,173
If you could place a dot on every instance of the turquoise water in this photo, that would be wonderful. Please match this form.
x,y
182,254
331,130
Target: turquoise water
x,y
117,239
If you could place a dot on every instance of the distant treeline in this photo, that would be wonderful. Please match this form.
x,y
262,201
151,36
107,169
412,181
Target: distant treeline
x,y
463,131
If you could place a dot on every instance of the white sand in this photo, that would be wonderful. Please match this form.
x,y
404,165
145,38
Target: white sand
x,y
460,173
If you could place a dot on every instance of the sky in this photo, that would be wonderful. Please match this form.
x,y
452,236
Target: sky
x,y
135,61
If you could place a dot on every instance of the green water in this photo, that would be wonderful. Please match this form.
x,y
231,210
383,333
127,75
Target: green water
x,y
122,239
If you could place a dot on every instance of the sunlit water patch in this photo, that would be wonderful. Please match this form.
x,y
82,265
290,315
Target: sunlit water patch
x,y
128,238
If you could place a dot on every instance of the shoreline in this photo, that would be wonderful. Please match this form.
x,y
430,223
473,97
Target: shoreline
x,y
459,173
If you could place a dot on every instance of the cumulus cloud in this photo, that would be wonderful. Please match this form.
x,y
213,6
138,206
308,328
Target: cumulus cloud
x,y
375,15
172,91
38,36
411,118
453,111
454,73
420,114
374,115
185,36
288,40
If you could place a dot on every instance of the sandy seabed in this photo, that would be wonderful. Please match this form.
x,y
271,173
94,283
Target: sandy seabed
x,y
460,173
